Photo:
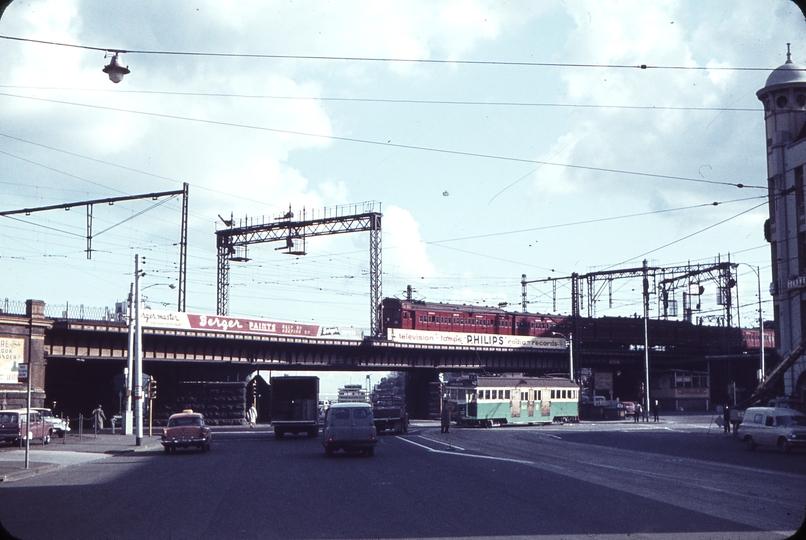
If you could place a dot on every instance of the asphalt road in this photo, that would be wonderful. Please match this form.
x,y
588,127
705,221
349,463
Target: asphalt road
x,y
670,480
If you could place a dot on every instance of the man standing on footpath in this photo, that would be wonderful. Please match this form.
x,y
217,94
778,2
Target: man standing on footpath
x,y
99,418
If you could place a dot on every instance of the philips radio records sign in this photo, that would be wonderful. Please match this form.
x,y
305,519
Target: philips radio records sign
x,y
477,341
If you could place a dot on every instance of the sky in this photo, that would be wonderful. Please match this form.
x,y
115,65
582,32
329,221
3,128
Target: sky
x,y
497,138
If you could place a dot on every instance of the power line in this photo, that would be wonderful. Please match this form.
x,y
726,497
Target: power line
x,y
390,144
598,220
395,101
387,59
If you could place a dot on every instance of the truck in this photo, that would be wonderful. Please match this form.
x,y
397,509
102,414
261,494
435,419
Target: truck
x,y
390,413
295,405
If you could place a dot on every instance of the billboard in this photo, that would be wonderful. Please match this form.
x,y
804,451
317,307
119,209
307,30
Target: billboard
x,y
477,341
218,323
12,352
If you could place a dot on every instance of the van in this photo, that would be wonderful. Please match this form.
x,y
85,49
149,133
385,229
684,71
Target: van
x,y
15,428
349,427
773,426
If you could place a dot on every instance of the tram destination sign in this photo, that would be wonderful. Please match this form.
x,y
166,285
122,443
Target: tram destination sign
x,y
476,341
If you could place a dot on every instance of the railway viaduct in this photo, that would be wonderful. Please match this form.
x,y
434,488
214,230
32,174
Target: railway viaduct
x,y
75,363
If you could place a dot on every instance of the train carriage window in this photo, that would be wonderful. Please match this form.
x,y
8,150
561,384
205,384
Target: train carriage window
x,y
486,394
539,395
508,395
552,394
495,394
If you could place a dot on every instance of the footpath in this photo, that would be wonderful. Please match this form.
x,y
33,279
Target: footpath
x,y
70,451
89,446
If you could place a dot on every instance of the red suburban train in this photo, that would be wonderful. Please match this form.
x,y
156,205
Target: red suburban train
x,y
606,332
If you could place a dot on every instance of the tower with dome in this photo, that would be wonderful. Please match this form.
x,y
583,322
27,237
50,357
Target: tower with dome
x,y
784,99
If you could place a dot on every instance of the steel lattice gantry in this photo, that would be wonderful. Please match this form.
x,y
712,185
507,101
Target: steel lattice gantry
x,y
232,241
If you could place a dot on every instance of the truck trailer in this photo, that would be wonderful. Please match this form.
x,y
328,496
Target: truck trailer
x,y
390,413
295,405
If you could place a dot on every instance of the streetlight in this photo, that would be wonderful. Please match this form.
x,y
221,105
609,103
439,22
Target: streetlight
x,y
757,271
570,340
115,70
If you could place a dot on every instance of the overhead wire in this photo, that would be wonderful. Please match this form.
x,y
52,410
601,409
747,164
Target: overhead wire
x,y
386,59
390,144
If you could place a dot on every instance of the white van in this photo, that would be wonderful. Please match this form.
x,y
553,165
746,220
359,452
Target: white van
x,y
349,427
773,426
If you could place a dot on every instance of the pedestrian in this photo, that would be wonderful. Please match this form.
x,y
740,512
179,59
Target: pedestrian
x,y
446,418
655,407
251,416
726,418
637,415
99,416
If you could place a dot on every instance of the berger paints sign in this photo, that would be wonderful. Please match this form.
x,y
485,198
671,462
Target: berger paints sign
x,y
217,323
476,341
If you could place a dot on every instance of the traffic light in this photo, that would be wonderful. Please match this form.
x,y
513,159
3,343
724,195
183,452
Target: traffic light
x,y
152,389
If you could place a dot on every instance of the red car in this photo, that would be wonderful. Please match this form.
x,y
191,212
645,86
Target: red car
x,y
629,407
15,428
184,430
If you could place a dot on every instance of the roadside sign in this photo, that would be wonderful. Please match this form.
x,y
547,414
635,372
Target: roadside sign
x,y
22,373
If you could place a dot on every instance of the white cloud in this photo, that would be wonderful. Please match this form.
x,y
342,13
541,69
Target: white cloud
x,y
404,250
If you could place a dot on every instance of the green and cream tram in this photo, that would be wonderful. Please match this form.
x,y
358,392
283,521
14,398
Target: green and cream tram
x,y
487,401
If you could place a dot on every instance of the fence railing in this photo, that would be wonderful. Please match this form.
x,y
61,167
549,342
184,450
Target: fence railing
x,y
65,311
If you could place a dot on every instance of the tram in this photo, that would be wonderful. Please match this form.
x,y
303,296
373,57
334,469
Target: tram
x,y
488,401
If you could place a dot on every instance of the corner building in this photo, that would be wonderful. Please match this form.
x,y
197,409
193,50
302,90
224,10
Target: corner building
x,y
784,99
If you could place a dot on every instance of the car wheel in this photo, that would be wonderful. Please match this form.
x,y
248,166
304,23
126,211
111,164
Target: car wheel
x,y
329,451
203,447
370,452
784,446
167,449
278,434
46,439
751,444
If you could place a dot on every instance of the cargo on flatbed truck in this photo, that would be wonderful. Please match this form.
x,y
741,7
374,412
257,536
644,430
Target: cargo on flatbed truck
x,y
390,413
295,405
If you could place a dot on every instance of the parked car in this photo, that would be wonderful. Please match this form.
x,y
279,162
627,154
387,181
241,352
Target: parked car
x,y
772,426
184,430
629,408
349,427
15,428
59,426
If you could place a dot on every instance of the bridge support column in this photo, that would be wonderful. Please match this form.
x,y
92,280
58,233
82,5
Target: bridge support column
x,y
22,340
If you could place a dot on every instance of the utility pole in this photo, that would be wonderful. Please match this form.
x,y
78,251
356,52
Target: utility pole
x,y
138,354
646,334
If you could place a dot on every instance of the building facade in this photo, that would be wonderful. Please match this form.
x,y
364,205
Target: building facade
x,y
784,99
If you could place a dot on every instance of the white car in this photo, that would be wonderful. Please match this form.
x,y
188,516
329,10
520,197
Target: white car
x,y
58,425
773,426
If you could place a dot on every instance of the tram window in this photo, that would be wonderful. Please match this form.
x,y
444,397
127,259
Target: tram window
x,y
539,395
486,394
509,396
563,394
495,394
552,394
